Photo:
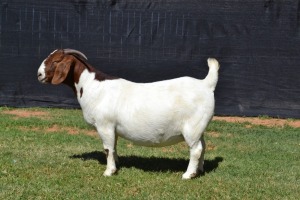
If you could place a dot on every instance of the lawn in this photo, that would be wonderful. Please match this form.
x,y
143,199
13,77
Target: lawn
x,y
54,154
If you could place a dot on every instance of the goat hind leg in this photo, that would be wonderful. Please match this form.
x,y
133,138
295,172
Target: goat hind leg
x,y
195,154
115,151
201,160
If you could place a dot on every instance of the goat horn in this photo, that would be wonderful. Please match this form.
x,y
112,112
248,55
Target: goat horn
x,y
73,51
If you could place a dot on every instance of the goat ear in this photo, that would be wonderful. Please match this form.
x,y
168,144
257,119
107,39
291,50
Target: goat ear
x,y
61,72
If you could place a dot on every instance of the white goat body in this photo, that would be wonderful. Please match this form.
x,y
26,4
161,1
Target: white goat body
x,y
152,114
149,114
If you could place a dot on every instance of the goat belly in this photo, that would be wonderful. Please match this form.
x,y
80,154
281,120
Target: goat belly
x,y
150,138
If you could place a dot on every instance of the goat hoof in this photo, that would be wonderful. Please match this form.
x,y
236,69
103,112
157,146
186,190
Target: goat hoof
x,y
109,172
187,176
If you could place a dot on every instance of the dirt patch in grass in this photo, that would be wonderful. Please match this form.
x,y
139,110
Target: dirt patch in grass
x,y
56,128
210,146
70,130
269,122
213,134
18,113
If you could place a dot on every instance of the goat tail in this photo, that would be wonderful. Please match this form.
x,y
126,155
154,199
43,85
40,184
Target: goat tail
x,y
212,77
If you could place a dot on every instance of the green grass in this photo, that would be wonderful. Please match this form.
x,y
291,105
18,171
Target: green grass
x,y
240,163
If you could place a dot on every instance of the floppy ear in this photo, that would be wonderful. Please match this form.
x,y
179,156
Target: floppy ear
x,y
61,71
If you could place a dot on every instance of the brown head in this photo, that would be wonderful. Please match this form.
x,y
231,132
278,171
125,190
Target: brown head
x,y
66,66
56,67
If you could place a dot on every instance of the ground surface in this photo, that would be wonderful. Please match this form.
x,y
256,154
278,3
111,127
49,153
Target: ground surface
x,y
53,154
21,113
269,122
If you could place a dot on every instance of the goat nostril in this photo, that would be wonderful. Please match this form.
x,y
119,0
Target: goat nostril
x,y
39,74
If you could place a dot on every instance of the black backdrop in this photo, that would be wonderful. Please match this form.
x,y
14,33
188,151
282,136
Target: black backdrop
x,y
257,43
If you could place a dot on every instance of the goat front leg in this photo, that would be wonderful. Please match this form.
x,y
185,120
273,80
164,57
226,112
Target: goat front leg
x,y
109,140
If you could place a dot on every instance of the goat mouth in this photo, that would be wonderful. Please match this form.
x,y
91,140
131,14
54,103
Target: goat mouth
x,y
44,80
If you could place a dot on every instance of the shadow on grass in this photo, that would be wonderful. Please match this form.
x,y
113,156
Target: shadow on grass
x,y
152,164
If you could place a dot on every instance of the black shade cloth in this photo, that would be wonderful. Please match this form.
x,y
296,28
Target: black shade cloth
x,y
256,42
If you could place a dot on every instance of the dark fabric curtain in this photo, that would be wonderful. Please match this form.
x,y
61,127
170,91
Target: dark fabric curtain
x,y
256,42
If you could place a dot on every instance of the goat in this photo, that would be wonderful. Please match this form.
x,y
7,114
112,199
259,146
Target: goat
x,y
150,114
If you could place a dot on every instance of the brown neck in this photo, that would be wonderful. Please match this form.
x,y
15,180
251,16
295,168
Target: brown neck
x,y
78,67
